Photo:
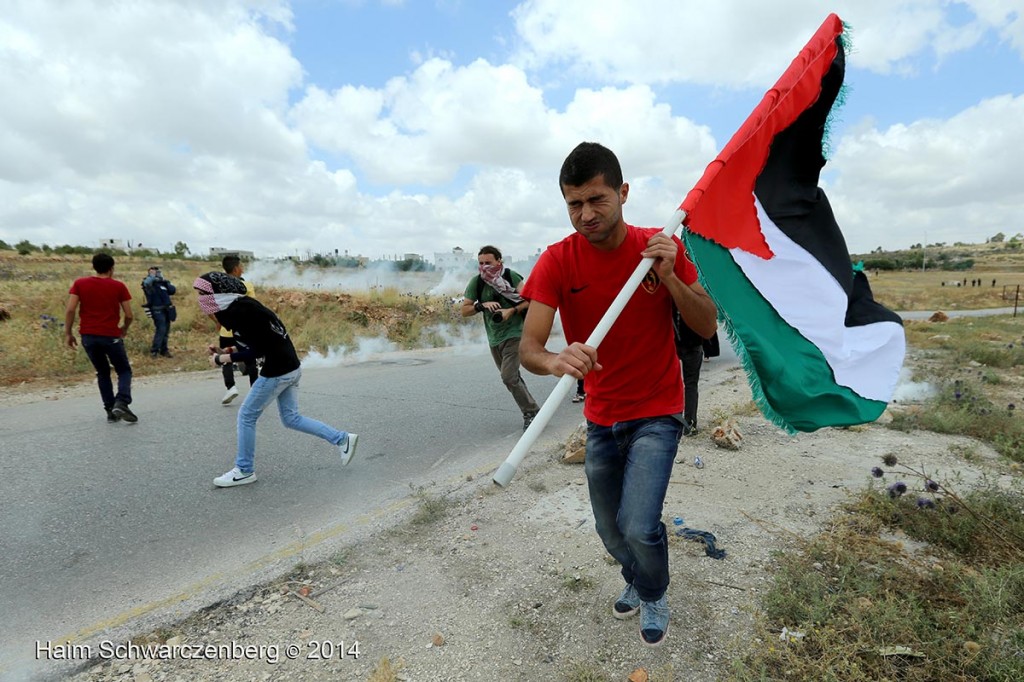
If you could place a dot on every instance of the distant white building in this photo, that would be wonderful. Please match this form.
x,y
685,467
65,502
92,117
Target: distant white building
x,y
121,245
244,255
117,244
456,260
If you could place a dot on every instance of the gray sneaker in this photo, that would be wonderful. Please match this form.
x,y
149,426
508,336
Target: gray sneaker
x,y
627,604
654,621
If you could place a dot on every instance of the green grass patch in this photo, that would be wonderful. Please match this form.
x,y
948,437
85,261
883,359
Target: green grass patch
x,y
966,408
430,509
577,583
865,608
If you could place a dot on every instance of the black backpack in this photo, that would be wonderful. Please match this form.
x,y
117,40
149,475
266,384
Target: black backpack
x,y
506,275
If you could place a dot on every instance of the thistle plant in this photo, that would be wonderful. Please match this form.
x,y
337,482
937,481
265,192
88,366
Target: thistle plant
x,y
933,496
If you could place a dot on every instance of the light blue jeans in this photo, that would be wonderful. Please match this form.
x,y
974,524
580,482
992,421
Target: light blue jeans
x,y
285,389
628,466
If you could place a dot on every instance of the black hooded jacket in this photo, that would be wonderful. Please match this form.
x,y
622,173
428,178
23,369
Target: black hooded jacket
x,y
260,334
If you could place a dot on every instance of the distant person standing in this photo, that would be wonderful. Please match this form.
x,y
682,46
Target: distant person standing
x,y
158,301
102,300
494,291
581,392
692,349
233,266
263,335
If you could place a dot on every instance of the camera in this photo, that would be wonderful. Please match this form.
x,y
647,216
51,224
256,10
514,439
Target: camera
x,y
496,316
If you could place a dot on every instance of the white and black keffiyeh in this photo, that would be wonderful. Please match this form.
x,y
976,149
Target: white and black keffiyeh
x,y
217,290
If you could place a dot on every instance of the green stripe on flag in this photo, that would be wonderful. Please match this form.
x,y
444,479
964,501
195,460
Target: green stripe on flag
x,y
789,377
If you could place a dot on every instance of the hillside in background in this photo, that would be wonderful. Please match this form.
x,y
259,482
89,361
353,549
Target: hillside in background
x,y
998,254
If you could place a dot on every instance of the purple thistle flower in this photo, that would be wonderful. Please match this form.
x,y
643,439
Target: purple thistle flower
x,y
931,485
957,395
877,472
925,503
897,489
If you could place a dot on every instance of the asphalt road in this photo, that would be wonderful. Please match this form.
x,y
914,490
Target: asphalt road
x,y
107,526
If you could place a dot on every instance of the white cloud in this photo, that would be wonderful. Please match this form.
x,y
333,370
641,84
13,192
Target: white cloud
x,y
738,43
191,120
423,128
933,180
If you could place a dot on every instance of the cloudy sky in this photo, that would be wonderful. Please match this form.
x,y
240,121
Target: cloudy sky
x,y
381,127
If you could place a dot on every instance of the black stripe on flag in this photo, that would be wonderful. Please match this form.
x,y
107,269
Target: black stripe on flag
x,y
787,189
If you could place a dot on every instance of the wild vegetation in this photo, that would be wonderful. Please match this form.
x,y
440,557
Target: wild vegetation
x,y
34,293
858,603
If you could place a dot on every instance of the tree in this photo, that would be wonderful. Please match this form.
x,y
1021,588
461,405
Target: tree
x,y
181,248
25,247
997,237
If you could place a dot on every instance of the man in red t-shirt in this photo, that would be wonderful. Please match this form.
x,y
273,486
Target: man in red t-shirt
x,y
634,392
102,299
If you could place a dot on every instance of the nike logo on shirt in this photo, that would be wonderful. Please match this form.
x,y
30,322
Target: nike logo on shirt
x,y
576,290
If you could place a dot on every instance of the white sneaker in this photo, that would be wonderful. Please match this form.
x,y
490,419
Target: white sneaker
x,y
347,448
229,395
234,477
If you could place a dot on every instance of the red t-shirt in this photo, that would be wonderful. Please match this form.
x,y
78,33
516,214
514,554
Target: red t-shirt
x,y
99,309
641,376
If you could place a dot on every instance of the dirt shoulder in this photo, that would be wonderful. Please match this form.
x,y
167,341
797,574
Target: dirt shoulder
x,y
513,583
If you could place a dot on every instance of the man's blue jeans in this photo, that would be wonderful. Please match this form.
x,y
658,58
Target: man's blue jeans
x,y
104,351
162,324
628,466
285,389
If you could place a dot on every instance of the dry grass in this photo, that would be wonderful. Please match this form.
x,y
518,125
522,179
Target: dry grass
x,y
925,291
35,290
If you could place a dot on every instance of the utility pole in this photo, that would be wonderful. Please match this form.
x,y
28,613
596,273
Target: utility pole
x,y
924,251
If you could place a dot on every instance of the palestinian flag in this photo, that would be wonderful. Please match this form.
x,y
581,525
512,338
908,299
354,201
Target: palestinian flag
x,y
818,350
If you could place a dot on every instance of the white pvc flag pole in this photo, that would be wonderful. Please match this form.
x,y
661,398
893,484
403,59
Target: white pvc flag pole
x,y
503,476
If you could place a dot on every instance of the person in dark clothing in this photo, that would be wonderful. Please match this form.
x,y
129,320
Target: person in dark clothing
x,y
581,392
233,266
260,333
158,302
692,350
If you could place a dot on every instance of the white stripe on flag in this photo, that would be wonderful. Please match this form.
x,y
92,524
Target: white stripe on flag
x,y
865,359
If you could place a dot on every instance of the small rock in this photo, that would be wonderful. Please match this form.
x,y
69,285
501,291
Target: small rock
x,y
352,614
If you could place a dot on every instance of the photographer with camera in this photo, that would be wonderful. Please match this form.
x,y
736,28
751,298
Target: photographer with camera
x,y
495,293
159,307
